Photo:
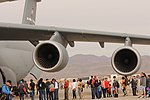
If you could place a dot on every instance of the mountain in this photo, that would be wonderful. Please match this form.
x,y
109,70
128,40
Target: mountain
x,y
87,65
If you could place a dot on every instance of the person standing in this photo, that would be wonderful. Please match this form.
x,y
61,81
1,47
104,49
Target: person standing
x,y
52,90
56,84
41,88
66,88
26,86
115,87
37,88
142,92
21,90
47,88
99,89
80,88
91,83
109,91
134,83
127,83
6,91
148,85
123,86
138,84
96,86
105,87
32,88
74,88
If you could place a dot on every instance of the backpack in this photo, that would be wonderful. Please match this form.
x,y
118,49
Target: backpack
x,y
96,83
127,82
117,84
99,89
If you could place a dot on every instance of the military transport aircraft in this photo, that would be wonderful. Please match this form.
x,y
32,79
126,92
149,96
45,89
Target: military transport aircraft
x,y
27,47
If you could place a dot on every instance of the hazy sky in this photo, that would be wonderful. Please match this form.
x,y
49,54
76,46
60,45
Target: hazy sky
x,y
130,16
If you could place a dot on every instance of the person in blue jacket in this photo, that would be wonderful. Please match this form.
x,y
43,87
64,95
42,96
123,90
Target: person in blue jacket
x,y
6,90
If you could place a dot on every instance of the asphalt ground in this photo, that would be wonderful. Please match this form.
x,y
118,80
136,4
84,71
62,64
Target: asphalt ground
x,y
87,96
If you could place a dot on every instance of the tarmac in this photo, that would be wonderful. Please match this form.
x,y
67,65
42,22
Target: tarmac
x,y
87,96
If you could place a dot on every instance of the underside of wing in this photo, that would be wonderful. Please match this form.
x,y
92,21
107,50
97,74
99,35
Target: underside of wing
x,y
102,36
37,33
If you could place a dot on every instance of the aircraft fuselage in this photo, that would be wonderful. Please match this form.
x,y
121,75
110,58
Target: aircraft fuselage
x,y
15,59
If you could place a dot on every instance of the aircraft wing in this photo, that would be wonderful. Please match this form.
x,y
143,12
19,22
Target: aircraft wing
x,y
5,0
36,33
24,32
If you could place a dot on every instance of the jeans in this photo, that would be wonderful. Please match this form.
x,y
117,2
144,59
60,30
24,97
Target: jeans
x,y
32,95
41,94
66,93
79,92
124,91
74,94
10,97
52,96
56,94
93,92
21,96
100,94
96,92
134,91
47,94
104,92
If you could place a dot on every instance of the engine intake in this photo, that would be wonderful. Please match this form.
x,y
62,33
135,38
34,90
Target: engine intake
x,y
126,60
50,56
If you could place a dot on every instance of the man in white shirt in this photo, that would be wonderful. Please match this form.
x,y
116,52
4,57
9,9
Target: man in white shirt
x,y
56,89
74,88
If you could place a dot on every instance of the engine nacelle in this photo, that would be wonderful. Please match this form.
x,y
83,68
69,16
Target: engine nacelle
x,y
50,56
126,60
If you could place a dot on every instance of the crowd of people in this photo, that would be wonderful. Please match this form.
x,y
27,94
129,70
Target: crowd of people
x,y
100,88
140,86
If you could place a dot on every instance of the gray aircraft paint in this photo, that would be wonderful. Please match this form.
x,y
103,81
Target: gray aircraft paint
x,y
16,57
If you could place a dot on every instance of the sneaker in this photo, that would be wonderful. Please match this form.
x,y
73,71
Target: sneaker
x,y
142,97
139,96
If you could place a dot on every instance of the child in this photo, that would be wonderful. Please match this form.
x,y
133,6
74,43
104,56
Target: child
x,y
148,91
109,91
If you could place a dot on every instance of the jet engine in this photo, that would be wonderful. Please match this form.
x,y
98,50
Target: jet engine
x,y
126,60
50,56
